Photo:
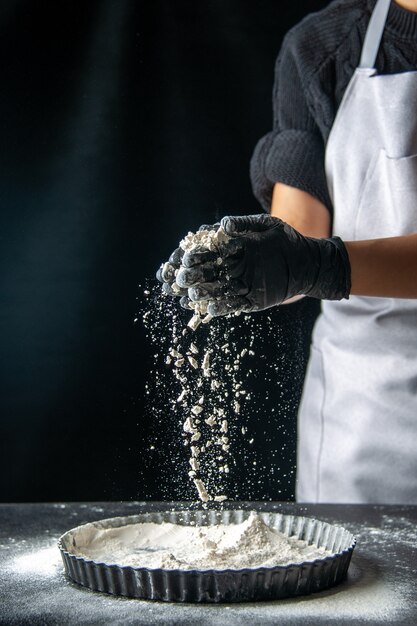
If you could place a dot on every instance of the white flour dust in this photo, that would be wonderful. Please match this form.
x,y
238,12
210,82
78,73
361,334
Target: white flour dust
x,y
204,393
220,385
202,240
164,545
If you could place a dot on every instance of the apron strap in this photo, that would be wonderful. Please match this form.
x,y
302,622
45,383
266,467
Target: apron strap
x,y
374,34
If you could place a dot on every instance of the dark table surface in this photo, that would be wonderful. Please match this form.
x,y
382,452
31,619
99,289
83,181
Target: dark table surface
x,y
380,587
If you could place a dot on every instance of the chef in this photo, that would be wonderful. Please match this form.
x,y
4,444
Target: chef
x,y
338,177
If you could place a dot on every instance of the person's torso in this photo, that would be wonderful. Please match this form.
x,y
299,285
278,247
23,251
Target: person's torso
x,y
358,420
328,47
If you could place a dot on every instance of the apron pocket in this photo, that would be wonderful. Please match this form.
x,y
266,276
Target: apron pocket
x,y
387,205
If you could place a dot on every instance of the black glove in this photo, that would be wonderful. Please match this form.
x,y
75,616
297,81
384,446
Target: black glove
x,y
265,262
167,272
166,275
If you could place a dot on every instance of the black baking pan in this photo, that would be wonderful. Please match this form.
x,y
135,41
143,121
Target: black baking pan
x,y
213,585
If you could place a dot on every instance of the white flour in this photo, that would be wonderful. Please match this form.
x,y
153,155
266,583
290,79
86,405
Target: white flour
x,y
205,426
202,240
246,410
208,239
249,544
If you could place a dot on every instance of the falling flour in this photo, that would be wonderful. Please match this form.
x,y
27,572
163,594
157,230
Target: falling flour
x,y
220,388
251,543
205,425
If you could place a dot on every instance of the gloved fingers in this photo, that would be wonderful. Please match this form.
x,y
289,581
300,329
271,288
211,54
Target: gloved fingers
x,y
185,303
159,274
235,267
234,247
166,273
176,257
198,256
209,226
229,305
234,225
206,291
224,250
173,290
203,273
222,289
236,287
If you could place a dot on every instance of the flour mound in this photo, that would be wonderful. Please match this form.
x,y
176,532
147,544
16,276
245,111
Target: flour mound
x,y
249,544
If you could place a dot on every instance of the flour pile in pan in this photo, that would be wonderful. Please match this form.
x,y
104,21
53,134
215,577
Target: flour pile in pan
x,y
251,543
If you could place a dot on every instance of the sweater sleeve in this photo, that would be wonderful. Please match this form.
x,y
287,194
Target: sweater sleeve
x,y
293,152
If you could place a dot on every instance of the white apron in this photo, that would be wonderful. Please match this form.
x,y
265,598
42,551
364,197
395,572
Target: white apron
x,y
358,415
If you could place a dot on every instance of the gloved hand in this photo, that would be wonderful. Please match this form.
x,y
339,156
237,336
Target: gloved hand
x,y
265,262
166,275
167,272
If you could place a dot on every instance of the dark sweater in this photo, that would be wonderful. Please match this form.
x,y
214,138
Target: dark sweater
x,y
314,66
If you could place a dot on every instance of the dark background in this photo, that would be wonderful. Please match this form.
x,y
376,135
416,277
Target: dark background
x,y
123,125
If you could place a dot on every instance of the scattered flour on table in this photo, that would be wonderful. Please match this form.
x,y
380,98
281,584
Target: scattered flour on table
x,y
251,543
373,593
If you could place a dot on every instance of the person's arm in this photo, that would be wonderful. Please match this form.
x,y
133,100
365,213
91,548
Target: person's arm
x,y
384,267
292,153
303,212
379,267
300,210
